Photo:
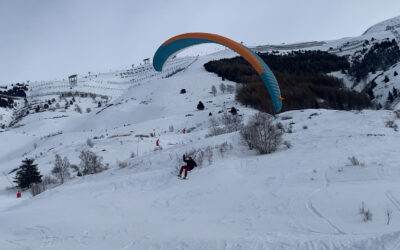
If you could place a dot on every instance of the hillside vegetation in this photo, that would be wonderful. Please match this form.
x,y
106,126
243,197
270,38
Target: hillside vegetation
x,y
302,79
379,57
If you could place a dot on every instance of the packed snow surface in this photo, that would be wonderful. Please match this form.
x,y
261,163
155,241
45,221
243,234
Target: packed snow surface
x,y
389,24
307,196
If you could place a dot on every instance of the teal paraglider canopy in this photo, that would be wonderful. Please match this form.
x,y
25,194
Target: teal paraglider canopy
x,y
177,43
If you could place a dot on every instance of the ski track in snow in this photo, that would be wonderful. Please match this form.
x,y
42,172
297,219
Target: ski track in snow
x,y
393,200
311,207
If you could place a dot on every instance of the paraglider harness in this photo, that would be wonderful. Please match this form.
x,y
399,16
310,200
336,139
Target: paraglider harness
x,y
190,163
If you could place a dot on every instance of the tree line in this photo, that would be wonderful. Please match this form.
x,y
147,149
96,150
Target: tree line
x,y
301,77
379,57
17,90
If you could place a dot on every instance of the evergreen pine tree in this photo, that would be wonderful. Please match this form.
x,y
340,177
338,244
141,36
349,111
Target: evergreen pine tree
x,y
61,168
394,91
233,111
373,84
370,93
200,106
27,174
386,79
390,97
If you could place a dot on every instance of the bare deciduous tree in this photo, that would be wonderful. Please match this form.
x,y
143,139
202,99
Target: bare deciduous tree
x,y
91,163
122,164
391,124
61,168
222,87
78,109
367,216
230,89
208,152
231,122
365,213
397,113
37,188
215,128
89,143
355,162
214,90
287,144
262,134
48,180
388,213
228,123
362,208
223,148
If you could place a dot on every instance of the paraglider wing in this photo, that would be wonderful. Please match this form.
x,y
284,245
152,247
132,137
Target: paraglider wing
x,y
175,44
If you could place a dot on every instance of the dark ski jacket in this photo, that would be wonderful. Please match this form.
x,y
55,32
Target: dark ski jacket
x,y
190,163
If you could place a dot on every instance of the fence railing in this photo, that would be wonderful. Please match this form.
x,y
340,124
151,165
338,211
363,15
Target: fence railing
x,y
129,78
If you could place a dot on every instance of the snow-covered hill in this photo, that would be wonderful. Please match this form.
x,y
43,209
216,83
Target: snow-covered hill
x,y
386,25
112,84
353,47
304,196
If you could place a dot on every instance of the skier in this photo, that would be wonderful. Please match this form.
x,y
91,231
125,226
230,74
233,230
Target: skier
x,y
190,164
158,146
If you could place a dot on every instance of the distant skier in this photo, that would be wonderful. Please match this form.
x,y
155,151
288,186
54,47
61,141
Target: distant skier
x,y
190,164
158,146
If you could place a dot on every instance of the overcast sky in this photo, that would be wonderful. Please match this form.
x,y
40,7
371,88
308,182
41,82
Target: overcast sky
x,y
49,39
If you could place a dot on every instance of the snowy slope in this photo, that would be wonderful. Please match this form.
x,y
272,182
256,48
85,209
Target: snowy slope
x,y
307,196
112,83
386,25
382,89
352,47
304,197
103,86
